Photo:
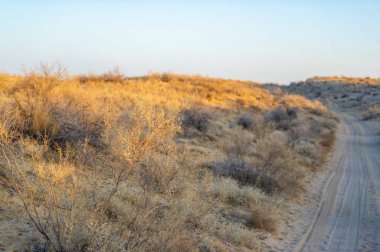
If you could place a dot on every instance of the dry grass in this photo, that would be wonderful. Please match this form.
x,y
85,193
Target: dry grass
x,y
344,80
108,162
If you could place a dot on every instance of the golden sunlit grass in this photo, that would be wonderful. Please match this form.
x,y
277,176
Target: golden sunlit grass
x,y
162,162
213,92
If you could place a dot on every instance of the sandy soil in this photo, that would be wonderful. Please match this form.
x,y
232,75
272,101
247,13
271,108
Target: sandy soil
x,y
341,212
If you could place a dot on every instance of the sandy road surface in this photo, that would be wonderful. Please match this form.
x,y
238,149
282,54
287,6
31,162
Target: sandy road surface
x,y
348,218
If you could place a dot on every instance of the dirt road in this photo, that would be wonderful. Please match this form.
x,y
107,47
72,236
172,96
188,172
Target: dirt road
x,y
348,218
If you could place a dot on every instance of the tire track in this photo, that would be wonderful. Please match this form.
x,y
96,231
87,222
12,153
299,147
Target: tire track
x,y
348,216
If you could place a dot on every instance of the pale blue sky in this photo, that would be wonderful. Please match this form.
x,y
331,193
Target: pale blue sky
x,y
266,41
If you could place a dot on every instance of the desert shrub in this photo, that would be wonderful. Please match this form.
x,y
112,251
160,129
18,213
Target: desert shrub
x,y
246,122
76,211
238,144
278,162
195,119
77,127
236,164
321,128
263,211
112,76
7,134
237,234
265,216
308,148
371,112
34,101
159,172
245,174
283,118
38,113
237,169
166,77
56,202
298,132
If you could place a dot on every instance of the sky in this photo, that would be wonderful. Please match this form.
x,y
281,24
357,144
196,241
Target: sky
x,y
260,40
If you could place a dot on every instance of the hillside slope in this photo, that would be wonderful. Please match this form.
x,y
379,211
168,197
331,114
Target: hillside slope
x,y
157,163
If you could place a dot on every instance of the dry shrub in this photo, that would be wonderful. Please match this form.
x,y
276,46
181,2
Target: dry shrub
x,y
238,144
309,152
328,141
265,216
263,210
35,104
112,76
247,122
62,209
195,119
283,118
322,128
236,169
159,173
166,77
236,234
147,130
40,113
277,161
239,166
371,112
73,210
7,135
246,174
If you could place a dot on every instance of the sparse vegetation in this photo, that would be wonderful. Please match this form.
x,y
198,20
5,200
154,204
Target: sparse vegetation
x,y
345,80
163,162
343,93
372,112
